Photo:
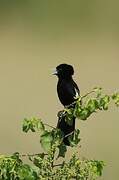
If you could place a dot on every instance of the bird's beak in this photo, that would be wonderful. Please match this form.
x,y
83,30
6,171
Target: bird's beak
x,y
55,72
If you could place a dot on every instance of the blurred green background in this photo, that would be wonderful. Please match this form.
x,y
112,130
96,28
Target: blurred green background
x,y
35,36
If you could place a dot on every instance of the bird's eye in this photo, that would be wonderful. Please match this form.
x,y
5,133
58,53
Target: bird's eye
x,y
59,70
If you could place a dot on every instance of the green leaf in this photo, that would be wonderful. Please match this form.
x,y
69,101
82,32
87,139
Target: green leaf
x,y
57,136
104,102
106,99
115,97
46,140
26,125
33,124
32,127
100,165
62,150
77,110
40,125
105,107
26,173
92,105
38,160
74,138
69,116
96,167
84,114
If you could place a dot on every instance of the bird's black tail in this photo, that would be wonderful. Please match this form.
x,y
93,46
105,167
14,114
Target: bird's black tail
x,y
66,128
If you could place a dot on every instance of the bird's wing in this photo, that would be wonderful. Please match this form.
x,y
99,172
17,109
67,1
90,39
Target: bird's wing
x,y
77,91
68,91
72,89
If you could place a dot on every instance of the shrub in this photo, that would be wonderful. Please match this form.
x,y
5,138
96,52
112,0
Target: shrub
x,y
44,165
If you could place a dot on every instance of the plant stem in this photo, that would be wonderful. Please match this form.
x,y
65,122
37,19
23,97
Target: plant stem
x,y
88,94
49,126
31,155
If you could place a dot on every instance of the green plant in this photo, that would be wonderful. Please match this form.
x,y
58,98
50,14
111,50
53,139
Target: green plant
x,y
45,166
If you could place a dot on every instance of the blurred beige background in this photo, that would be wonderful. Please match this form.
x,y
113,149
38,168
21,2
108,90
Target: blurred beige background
x,y
35,36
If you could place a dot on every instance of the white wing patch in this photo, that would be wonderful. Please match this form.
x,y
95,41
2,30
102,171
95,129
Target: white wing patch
x,y
76,93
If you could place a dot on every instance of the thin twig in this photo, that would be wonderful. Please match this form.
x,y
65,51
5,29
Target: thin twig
x,y
49,126
55,165
31,155
88,94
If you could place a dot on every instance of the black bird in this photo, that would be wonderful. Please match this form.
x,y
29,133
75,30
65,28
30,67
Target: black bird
x,y
67,91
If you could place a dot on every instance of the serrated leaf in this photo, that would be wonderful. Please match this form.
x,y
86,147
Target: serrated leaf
x,y
84,114
106,99
115,97
104,102
33,124
69,116
26,125
74,138
38,160
92,105
25,172
40,125
77,110
46,140
32,127
57,136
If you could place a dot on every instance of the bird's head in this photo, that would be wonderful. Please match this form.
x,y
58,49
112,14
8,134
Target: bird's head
x,y
64,71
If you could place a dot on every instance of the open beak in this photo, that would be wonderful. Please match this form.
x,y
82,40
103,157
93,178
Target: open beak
x,y
55,72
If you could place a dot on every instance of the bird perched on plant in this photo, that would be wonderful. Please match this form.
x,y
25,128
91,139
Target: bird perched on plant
x,y
67,91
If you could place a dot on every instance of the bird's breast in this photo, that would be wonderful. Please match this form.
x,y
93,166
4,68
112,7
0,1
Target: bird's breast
x,y
66,92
